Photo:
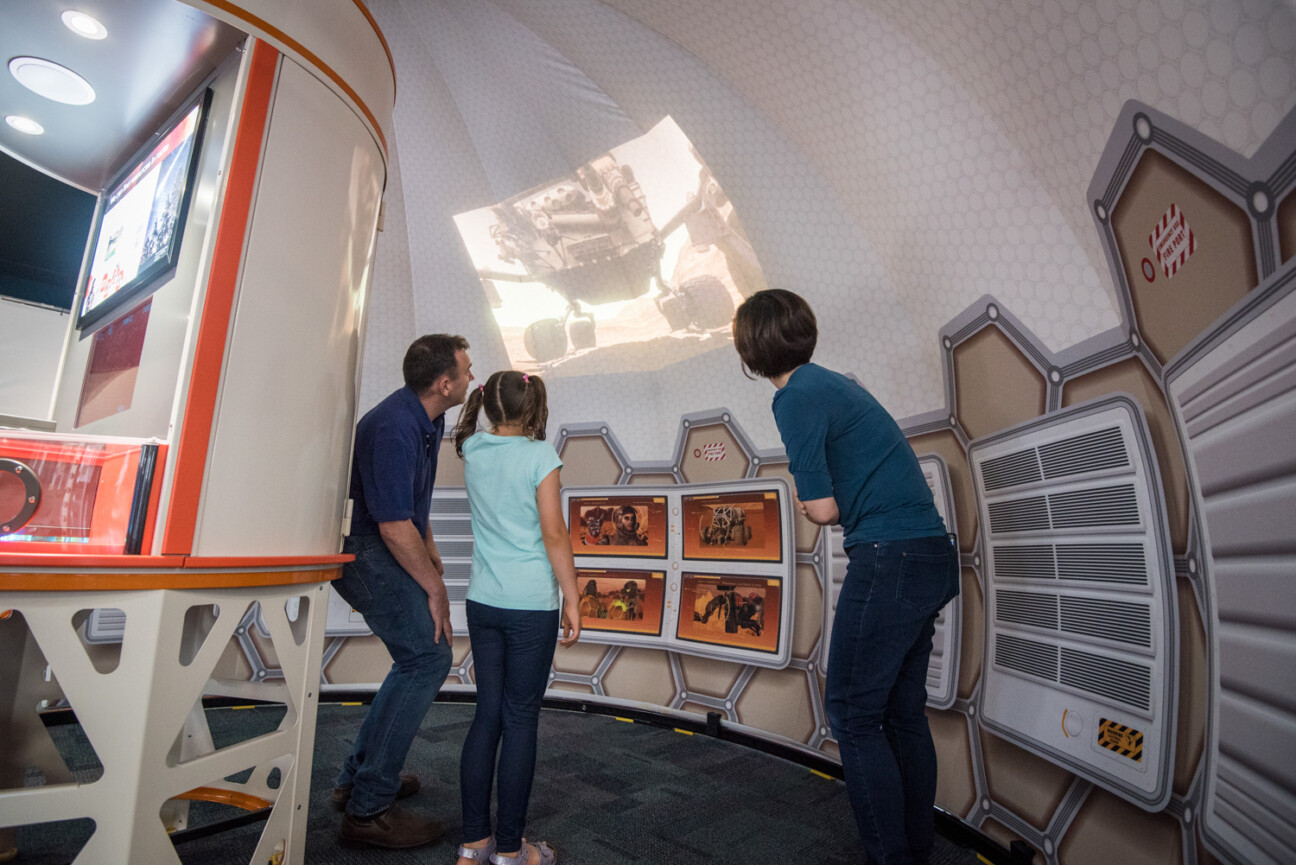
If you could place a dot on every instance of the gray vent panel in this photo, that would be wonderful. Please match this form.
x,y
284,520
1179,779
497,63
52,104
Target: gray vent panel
x,y
458,570
1010,470
1027,656
444,526
1019,515
450,506
1118,621
456,548
1082,454
1033,562
1027,608
1092,508
1103,563
1251,805
1112,678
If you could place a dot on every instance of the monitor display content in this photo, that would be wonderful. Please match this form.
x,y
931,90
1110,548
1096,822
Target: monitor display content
x,y
626,602
142,220
733,527
742,612
617,526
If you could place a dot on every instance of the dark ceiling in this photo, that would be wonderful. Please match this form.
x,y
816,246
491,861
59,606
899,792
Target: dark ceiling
x,y
155,56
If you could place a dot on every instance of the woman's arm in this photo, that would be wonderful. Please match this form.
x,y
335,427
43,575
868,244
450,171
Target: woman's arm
x,y
558,547
821,511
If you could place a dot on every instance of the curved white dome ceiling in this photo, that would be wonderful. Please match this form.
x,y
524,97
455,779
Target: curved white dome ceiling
x,y
891,160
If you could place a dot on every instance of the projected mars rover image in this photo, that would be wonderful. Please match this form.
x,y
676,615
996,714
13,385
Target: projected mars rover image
x,y
730,611
617,525
732,526
628,602
576,265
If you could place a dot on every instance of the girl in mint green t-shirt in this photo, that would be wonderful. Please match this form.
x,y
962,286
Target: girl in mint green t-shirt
x,y
521,558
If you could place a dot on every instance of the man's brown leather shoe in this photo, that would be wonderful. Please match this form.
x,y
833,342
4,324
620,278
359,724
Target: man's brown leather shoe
x,y
408,787
395,829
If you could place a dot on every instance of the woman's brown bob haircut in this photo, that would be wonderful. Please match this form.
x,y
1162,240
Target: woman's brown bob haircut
x,y
775,332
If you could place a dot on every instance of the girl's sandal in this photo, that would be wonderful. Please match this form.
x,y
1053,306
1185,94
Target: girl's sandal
x,y
478,854
547,855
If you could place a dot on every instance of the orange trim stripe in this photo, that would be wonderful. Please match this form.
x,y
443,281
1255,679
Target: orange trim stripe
x,y
270,30
88,581
364,10
121,562
222,283
243,801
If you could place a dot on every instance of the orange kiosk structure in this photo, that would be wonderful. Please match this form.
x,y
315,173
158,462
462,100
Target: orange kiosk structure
x,y
192,473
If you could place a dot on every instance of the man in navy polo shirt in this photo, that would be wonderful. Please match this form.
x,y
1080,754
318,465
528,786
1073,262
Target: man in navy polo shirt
x,y
396,583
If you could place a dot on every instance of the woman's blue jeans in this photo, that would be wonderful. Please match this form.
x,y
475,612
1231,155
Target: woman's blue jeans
x,y
395,607
512,654
877,690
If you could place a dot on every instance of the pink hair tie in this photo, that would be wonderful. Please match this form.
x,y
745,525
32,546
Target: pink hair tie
x,y
526,379
482,388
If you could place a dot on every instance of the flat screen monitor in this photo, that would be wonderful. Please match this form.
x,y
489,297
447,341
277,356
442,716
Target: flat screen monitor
x,y
621,601
621,525
733,527
141,221
733,611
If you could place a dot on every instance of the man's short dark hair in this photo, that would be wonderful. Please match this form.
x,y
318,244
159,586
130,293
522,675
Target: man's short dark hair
x,y
775,332
430,357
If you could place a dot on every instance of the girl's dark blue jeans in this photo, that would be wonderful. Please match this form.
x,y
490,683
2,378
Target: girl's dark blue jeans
x,y
512,654
877,690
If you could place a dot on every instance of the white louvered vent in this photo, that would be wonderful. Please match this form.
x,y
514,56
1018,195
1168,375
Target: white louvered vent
x,y
943,668
1234,398
450,521
1081,635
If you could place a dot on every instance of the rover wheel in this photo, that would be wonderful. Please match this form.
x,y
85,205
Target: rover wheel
x,y
581,331
675,308
545,340
709,303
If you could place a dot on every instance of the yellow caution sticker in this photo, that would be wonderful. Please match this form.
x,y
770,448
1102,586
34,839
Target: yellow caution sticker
x,y
1124,740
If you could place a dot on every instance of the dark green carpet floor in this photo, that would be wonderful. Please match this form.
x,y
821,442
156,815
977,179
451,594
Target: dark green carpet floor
x,y
606,792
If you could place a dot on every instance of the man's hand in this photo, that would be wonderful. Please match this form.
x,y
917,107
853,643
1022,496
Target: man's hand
x,y
439,607
419,558
434,554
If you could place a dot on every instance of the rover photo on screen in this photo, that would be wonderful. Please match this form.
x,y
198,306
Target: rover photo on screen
x,y
634,261
733,527
141,215
742,612
617,525
626,602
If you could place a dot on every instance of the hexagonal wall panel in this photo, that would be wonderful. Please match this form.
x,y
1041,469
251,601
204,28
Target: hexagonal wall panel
x,y
1174,305
996,385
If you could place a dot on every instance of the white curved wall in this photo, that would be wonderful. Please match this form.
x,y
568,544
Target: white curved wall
x,y
892,161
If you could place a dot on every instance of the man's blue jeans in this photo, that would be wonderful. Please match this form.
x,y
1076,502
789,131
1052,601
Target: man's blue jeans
x,y
512,654
395,607
877,690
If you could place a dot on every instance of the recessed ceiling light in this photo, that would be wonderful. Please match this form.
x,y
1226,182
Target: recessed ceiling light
x,y
25,124
84,25
52,80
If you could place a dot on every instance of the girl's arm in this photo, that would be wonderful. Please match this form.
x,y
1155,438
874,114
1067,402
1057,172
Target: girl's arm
x,y
558,547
